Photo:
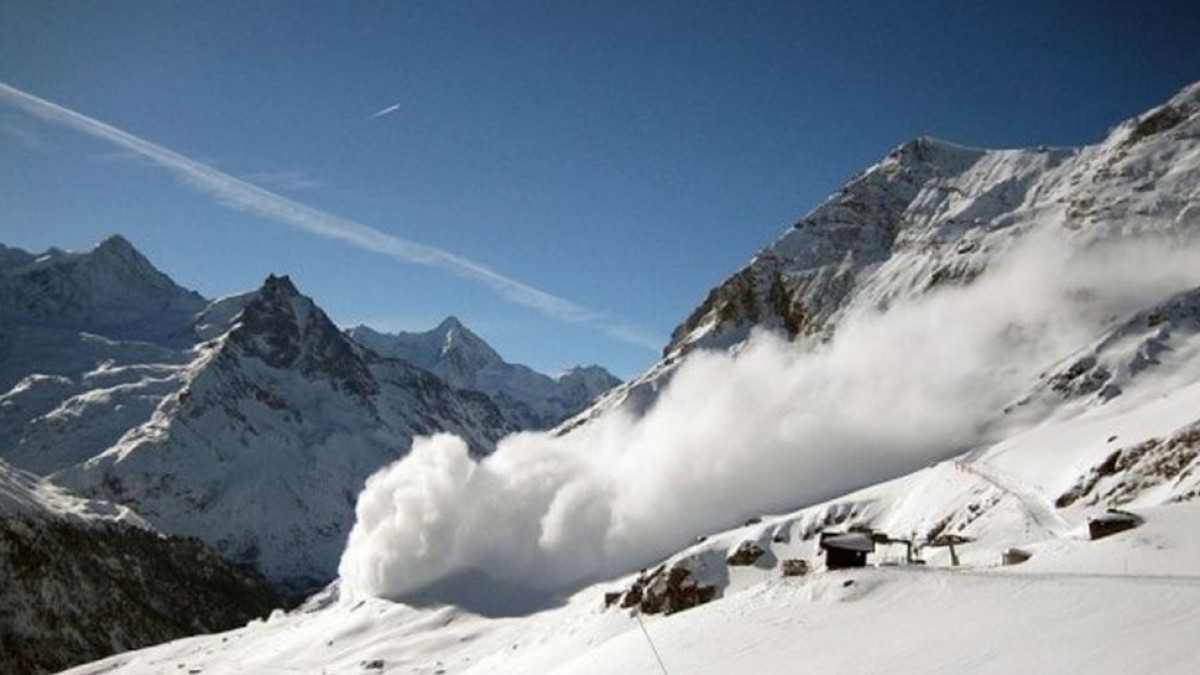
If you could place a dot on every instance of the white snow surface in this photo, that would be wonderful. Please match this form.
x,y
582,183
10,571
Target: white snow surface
x,y
25,494
1129,603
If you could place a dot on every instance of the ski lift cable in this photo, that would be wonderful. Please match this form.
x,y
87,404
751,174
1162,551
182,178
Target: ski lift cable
x,y
638,615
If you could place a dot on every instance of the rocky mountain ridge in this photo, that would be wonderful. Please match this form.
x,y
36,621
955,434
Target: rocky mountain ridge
x,y
932,215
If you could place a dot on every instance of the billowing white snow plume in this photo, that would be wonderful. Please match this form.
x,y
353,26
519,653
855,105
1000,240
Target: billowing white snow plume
x,y
775,425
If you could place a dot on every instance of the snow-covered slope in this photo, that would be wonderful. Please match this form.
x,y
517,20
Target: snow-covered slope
x,y
933,214
90,343
278,422
1067,614
81,579
1059,610
528,399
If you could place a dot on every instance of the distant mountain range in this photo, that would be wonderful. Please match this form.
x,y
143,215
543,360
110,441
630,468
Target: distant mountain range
x,y
249,422
527,399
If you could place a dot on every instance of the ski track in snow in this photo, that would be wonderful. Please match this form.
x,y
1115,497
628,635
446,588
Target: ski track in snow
x,y
1034,501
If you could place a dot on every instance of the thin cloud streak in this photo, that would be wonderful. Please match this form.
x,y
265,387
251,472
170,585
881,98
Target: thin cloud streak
x,y
285,180
238,194
386,111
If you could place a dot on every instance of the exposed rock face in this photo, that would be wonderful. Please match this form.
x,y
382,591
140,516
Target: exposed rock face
x,y
793,567
286,331
664,591
1126,353
799,284
747,553
1129,472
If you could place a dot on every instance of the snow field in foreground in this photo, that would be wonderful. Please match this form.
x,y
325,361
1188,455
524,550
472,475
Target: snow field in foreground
x,y
1067,610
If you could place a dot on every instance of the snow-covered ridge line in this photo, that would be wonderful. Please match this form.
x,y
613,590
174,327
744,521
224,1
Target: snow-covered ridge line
x,y
528,399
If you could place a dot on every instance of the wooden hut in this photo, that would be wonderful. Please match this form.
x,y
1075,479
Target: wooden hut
x,y
846,549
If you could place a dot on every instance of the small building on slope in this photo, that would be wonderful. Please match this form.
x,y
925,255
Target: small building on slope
x,y
846,549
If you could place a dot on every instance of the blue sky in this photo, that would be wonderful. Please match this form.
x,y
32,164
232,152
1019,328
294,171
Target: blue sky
x,y
623,157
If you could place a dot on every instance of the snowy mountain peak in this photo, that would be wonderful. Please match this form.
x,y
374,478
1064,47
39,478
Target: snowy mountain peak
x,y
1183,108
930,151
528,399
459,344
118,256
595,379
450,347
112,287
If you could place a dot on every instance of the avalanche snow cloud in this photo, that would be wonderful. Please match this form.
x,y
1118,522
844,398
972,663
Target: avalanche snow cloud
x,y
776,425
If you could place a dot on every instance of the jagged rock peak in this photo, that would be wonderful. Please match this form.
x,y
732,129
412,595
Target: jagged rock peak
x,y
117,244
286,329
450,323
528,399
279,286
457,337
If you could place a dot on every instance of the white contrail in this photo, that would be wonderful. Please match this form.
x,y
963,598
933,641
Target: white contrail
x,y
386,111
238,194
